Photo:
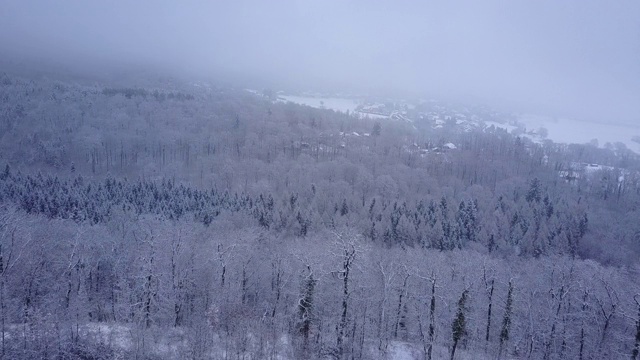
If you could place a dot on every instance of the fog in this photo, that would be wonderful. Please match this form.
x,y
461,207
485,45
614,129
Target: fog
x,y
568,58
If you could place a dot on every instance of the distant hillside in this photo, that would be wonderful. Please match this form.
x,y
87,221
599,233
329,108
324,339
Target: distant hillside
x,y
182,219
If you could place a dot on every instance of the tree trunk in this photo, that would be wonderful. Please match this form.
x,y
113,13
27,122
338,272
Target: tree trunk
x,y
432,319
488,332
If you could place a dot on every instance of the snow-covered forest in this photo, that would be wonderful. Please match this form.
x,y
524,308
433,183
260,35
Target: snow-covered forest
x,y
153,217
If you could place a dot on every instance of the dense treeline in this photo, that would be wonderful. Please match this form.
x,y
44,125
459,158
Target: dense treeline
x,y
189,221
179,289
236,143
530,224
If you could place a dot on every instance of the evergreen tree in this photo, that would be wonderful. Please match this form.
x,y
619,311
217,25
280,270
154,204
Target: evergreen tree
x,y
535,191
459,325
6,173
376,129
344,208
305,307
636,348
506,319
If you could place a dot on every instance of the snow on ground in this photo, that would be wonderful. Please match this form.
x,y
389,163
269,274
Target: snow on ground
x,y
398,350
337,104
580,132
175,344
402,351
116,335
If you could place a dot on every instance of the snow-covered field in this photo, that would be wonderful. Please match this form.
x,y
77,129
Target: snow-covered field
x,y
579,132
337,104
332,103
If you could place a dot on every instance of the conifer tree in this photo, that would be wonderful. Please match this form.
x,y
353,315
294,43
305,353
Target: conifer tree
x,y
305,307
636,348
506,319
459,325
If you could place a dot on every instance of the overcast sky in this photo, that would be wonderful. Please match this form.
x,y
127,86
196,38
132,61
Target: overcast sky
x,y
579,58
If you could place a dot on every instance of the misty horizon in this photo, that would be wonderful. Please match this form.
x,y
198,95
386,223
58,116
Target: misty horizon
x,y
570,59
